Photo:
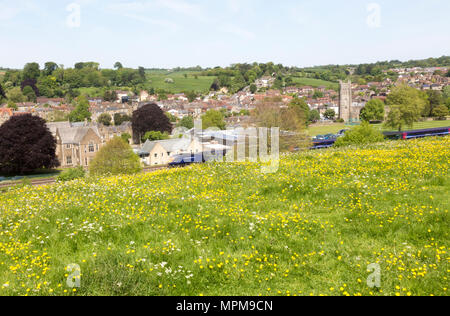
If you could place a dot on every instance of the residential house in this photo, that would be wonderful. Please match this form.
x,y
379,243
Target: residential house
x,y
265,82
161,152
49,101
77,146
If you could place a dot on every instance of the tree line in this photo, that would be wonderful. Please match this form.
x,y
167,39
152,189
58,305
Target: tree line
x,y
54,80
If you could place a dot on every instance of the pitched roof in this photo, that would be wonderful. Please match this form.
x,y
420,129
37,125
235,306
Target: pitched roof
x,y
54,126
74,135
170,145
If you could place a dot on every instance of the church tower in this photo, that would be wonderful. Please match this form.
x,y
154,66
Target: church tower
x,y
345,101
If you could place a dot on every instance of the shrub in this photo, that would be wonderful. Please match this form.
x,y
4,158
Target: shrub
x,y
440,112
359,135
152,136
71,174
116,157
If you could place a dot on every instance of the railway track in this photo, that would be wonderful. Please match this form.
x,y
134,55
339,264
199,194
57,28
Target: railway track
x,y
37,182
47,181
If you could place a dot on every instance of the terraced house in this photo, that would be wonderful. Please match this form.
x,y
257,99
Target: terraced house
x,y
77,146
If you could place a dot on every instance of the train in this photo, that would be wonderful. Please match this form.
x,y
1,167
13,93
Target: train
x,y
405,135
327,142
182,160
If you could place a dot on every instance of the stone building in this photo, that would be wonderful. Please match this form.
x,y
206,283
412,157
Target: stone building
x,y
345,101
77,146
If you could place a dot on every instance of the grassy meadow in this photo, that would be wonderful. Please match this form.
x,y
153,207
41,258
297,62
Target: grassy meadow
x,y
312,228
315,82
181,83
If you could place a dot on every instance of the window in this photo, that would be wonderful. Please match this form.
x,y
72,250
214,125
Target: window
x,y
91,148
69,160
68,146
156,155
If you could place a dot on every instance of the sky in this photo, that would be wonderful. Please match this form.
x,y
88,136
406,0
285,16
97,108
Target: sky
x,y
209,33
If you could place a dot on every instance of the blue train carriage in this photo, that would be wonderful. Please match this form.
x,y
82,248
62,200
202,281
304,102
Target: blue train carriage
x,y
202,157
420,133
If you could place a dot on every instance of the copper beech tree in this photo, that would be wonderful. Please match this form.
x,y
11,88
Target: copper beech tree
x,y
149,118
26,145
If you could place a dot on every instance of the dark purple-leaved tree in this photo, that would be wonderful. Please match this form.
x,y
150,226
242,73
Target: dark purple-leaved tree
x,y
2,92
26,145
149,118
32,84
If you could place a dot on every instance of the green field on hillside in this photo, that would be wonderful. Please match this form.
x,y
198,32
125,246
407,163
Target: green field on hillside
x,y
181,83
315,82
320,225
322,129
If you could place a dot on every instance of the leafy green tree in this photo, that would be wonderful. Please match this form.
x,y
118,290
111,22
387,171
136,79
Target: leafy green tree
x,y
116,157
434,100
446,96
155,135
105,119
47,86
2,92
317,94
28,92
172,118
16,95
269,114
31,71
119,119
253,88
406,106
49,68
373,111
141,71
213,118
330,114
126,137
81,111
12,105
360,135
187,122
118,65
238,83
110,96
191,95
301,109
440,112
314,116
